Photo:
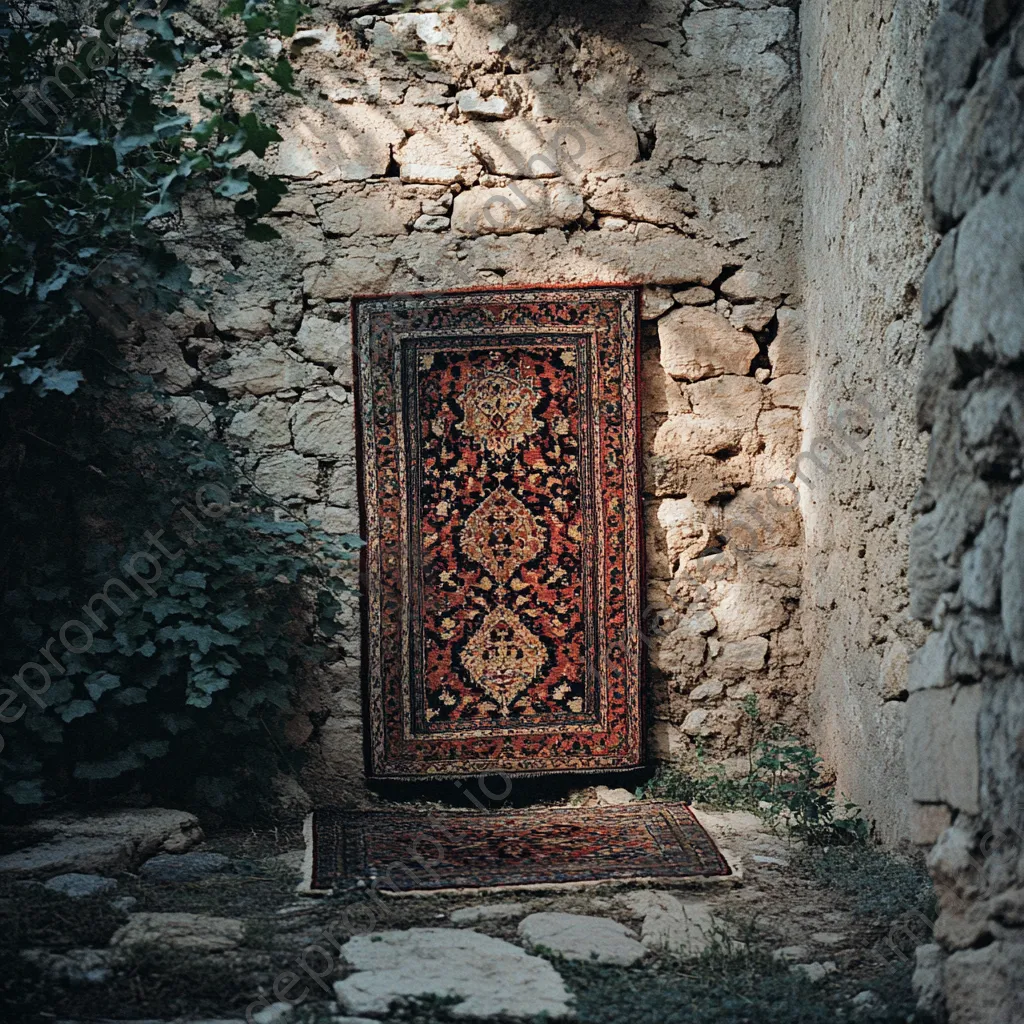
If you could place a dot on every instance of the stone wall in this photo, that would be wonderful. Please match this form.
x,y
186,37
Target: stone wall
x,y
540,146
866,246
966,708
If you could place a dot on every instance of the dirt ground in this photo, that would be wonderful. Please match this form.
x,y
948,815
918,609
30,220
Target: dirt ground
x,y
845,909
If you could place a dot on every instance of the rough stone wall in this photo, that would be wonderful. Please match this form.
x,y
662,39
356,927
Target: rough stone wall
x,y
966,709
541,146
866,246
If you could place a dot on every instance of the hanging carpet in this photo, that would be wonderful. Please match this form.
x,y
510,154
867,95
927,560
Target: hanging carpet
x,y
501,507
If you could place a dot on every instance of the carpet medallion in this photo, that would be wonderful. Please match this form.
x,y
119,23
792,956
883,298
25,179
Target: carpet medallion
x,y
500,493
433,851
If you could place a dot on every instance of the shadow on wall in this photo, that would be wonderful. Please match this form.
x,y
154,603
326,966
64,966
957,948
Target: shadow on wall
x,y
593,13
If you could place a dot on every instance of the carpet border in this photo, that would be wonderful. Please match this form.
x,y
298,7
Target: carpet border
x,y
643,751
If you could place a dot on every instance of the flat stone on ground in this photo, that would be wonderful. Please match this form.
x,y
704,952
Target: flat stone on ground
x,y
494,912
581,937
490,977
76,885
684,927
184,867
816,971
101,843
607,797
196,932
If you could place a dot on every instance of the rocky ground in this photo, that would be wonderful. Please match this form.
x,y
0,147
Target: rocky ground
x,y
137,916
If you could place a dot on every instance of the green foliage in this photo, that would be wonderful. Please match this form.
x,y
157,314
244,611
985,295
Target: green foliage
x,y
96,158
183,685
783,783
876,883
196,644
722,987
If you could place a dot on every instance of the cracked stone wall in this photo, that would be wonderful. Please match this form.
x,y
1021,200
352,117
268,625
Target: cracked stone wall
x,y
541,146
866,246
965,730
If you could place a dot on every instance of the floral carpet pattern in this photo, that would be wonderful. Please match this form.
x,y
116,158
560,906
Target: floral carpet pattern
x,y
503,567
416,851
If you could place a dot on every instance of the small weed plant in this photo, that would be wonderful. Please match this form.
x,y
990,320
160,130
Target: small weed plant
x,y
784,784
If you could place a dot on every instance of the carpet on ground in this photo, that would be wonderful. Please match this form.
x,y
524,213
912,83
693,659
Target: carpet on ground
x,y
422,851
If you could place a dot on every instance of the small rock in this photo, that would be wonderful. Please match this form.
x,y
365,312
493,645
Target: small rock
x,y
815,971
867,1002
184,867
705,691
472,104
828,938
698,296
498,40
195,932
297,909
124,903
654,302
494,912
76,886
431,223
790,953
275,1013
325,39
613,797
438,207
580,937
76,967
762,375
777,862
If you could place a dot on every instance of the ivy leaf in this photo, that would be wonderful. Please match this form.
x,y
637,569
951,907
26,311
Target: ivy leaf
x,y
190,578
130,696
234,619
243,78
100,682
176,722
234,185
287,16
161,607
257,134
152,748
64,381
202,684
77,709
283,75
204,637
25,791
159,26
126,761
60,692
